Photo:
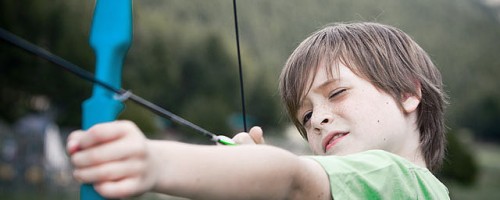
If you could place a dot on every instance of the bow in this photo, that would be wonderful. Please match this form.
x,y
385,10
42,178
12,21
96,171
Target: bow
x,y
110,37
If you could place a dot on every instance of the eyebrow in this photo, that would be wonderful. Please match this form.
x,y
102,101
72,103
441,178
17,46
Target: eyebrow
x,y
320,87
327,83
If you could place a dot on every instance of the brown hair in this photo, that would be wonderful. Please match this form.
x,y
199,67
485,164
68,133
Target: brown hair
x,y
387,58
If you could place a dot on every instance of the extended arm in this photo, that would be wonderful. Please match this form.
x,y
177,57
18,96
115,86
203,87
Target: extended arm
x,y
243,172
193,171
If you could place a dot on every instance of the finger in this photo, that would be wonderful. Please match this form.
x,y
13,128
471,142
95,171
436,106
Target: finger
x,y
72,144
120,189
75,135
110,171
257,135
243,138
108,152
105,132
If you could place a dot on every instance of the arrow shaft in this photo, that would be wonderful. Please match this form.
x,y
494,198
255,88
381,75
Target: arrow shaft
x,y
78,71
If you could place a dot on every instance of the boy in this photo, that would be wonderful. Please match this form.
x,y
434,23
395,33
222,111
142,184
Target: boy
x,y
364,95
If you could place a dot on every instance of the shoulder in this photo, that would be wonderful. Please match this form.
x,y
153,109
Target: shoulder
x,y
364,161
379,174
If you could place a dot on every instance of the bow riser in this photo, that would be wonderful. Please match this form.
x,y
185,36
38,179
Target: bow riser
x,y
110,37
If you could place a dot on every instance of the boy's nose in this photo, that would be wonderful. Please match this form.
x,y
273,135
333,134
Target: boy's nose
x,y
321,119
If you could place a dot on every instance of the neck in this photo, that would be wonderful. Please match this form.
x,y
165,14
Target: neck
x,y
411,150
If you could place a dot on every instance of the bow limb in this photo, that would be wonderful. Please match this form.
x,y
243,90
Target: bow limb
x,y
110,37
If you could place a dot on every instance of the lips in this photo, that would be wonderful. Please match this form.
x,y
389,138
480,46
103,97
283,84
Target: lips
x,y
332,139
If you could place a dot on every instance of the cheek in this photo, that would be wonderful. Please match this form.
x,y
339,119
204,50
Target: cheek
x,y
383,115
369,111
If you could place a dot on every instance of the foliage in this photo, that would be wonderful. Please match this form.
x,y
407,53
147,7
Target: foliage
x,y
460,164
23,77
487,179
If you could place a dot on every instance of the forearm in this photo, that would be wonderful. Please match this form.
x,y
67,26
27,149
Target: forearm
x,y
221,172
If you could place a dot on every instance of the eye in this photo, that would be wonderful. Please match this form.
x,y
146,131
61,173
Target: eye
x,y
336,93
306,118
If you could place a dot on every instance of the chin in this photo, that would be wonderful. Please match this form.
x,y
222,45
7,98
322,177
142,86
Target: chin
x,y
342,152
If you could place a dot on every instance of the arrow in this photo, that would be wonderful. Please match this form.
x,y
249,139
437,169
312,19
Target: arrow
x,y
121,94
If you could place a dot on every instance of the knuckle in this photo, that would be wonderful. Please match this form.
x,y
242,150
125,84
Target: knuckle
x,y
241,136
107,173
74,135
116,190
94,128
79,160
74,160
138,167
136,150
126,123
92,157
131,187
105,190
77,176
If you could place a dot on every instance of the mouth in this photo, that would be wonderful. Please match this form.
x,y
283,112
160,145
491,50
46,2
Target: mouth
x,y
332,139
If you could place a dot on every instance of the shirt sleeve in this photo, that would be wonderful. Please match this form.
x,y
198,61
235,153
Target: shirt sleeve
x,y
377,174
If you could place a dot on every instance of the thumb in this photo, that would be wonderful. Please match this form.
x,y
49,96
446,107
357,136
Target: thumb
x,y
257,135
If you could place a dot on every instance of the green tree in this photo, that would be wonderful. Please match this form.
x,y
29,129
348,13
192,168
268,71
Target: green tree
x,y
460,164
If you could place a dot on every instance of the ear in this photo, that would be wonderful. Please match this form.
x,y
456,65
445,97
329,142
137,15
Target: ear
x,y
410,102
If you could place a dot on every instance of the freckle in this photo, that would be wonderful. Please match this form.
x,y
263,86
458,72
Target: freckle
x,y
378,121
386,102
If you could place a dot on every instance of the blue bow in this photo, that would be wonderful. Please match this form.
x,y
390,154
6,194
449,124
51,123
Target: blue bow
x,y
110,37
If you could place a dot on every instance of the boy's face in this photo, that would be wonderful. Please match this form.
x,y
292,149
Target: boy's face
x,y
345,114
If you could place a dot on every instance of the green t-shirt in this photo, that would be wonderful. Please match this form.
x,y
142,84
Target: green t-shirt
x,y
377,174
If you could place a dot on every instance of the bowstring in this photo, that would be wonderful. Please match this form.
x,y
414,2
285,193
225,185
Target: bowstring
x,y
242,93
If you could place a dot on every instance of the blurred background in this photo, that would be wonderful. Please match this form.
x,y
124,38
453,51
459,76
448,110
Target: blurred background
x,y
183,58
